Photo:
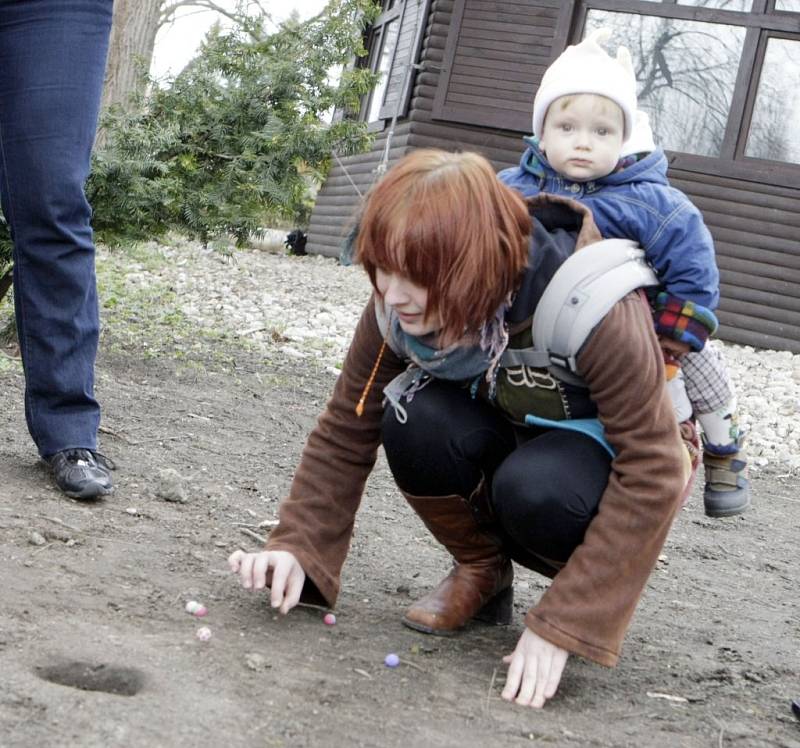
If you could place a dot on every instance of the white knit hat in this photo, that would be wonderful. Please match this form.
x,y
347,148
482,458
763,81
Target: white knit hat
x,y
586,68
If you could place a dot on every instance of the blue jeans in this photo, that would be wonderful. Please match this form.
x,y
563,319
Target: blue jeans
x,y
52,64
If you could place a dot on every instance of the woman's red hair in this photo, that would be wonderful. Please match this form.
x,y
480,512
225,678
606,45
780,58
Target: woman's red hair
x,y
448,224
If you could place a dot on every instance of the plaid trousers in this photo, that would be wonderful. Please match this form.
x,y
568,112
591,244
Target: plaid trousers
x,y
708,382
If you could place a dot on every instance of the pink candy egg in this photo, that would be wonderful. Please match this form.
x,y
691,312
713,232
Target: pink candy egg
x,y
203,633
329,619
196,609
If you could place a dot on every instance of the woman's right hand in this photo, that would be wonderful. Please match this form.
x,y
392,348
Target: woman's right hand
x,y
278,570
534,672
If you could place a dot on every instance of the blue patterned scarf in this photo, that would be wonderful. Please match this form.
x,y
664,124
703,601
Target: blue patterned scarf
x,y
463,361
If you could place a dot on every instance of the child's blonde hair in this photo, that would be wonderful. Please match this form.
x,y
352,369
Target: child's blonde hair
x,y
602,104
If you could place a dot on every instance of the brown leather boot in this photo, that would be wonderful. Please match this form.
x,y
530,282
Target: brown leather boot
x,y
479,586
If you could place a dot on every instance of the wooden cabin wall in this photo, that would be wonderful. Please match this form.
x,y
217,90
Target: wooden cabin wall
x,y
756,230
495,57
340,197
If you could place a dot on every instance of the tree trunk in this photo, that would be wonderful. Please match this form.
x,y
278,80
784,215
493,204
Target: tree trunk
x,y
133,36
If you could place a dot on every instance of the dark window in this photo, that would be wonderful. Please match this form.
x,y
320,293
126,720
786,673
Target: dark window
x,y
720,79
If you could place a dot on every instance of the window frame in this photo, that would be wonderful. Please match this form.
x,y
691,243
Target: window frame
x,y
761,23
392,11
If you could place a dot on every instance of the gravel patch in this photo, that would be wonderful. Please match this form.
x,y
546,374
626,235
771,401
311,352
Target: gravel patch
x,y
307,308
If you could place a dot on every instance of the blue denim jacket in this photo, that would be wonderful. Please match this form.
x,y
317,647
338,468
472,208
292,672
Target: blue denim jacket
x,y
637,203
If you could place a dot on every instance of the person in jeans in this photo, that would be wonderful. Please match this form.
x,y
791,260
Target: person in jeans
x,y
52,64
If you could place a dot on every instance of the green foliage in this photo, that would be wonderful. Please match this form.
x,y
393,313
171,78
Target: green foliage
x,y
131,177
237,140
5,248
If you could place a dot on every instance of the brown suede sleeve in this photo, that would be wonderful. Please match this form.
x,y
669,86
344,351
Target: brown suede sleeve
x,y
589,605
316,518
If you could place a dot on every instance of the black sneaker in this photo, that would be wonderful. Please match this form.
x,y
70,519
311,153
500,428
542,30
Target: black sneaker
x,y
81,473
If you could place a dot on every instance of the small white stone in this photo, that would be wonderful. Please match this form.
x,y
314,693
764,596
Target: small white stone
x,y
36,538
255,661
292,352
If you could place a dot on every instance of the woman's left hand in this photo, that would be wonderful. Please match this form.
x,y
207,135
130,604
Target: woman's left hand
x,y
534,671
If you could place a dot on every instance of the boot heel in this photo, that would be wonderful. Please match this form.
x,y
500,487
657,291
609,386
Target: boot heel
x,y
498,609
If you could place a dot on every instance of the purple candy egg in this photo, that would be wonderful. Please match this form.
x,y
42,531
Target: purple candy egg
x,y
391,660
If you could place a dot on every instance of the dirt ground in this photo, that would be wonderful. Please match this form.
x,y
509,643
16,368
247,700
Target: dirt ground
x,y
93,595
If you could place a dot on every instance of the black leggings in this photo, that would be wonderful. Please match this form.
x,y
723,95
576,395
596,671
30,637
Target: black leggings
x,y
544,486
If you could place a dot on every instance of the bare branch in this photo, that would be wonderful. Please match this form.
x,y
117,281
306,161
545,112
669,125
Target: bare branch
x,y
238,16
245,10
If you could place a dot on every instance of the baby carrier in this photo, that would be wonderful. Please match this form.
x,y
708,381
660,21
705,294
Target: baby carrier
x,y
580,294
578,297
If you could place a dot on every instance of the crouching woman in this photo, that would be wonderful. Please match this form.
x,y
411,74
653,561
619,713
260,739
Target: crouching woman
x,y
458,263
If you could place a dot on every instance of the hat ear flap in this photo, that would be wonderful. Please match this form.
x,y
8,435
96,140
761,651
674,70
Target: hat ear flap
x,y
624,59
598,36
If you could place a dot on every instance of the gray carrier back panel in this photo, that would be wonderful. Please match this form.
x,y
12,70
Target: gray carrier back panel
x,y
578,297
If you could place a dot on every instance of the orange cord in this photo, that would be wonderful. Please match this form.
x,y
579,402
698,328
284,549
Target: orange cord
x,y
370,381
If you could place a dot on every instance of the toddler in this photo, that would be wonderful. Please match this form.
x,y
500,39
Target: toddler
x,y
590,143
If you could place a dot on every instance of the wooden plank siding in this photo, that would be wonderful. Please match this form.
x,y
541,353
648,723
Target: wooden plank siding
x,y
756,229
340,197
479,65
496,53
